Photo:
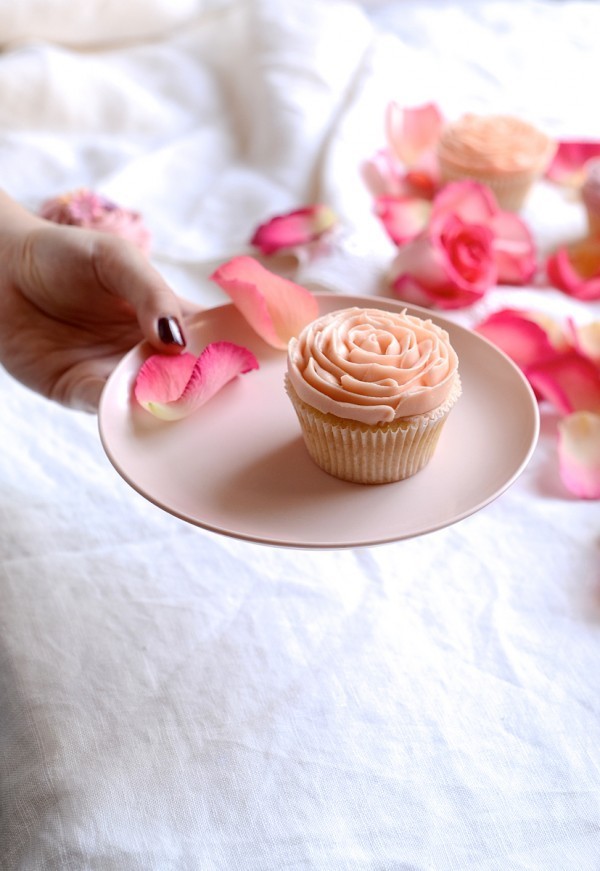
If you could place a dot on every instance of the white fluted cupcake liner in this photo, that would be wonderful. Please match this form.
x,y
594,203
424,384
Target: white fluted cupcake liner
x,y
366,454
510,191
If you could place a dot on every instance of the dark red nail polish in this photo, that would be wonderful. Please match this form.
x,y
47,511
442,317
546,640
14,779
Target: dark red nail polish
x,y
170,332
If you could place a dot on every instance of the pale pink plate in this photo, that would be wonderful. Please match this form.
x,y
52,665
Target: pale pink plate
x,y
238,465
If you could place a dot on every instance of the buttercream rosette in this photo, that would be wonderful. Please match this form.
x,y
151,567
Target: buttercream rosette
x,y
501,151
372,390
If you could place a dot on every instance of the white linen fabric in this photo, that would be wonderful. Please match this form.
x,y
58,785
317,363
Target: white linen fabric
x,y
172,699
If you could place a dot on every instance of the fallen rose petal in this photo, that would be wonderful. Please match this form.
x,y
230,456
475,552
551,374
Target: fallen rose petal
x,y
403,217
569,380
276,308
586,338
514,248
87,209
173,386
579,453
522,339
300,227
575,269
559,338
470,200
413,132
567,165
384,176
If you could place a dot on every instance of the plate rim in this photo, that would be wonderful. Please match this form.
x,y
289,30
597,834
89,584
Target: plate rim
x,y
346,300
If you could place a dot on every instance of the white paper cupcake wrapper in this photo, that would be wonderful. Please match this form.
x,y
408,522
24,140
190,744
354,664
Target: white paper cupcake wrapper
x,y
370,455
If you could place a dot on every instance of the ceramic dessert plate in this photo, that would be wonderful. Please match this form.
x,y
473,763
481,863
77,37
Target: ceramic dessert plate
x,y
238,465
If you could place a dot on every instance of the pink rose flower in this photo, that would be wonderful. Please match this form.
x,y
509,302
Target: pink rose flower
x,y
468,246
84,208
450,265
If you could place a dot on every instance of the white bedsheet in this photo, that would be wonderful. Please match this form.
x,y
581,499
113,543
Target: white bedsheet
x,y
172,699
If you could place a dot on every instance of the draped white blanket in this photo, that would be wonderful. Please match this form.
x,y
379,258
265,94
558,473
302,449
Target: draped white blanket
x,y
171,699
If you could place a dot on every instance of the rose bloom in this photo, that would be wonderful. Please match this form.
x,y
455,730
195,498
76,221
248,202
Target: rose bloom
x,y
452,265
469,245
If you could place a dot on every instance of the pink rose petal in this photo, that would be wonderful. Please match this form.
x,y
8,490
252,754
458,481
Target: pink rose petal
x,y
521,338
567,165
514,248
384,176
569,380
412,132
579,453
300,227
173,386
403,217
276,308
575,269
587,340
469,200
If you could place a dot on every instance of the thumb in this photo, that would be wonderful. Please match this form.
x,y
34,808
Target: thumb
x,y
125,271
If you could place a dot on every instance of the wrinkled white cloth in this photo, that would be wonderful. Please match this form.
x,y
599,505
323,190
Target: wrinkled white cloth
x,y
176,700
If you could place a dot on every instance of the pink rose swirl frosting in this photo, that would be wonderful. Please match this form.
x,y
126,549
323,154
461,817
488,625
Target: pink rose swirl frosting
x,y
494,143
372,366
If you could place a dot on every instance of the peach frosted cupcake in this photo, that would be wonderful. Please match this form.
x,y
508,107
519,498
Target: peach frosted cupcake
x,y
372,390
501,151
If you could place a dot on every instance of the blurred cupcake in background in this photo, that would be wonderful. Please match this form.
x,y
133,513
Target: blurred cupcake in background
x,y
84,208
501,151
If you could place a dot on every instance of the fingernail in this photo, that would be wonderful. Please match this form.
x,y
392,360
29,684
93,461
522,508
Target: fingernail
x,y
170,332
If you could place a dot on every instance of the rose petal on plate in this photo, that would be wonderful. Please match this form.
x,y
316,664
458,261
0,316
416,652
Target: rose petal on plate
x,y
521,338
579,453
300,227
171,387
569,380
575,269
403,217
570,157
412,132
276,308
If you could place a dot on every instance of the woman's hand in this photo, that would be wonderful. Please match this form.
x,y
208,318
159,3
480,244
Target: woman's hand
x,y
72,302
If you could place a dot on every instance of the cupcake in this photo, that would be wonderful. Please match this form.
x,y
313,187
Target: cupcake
x,y
590,194
372,390
504,153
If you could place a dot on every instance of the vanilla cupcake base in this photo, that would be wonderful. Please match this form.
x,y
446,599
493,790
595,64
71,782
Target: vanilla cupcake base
x,y
364,454
510,191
